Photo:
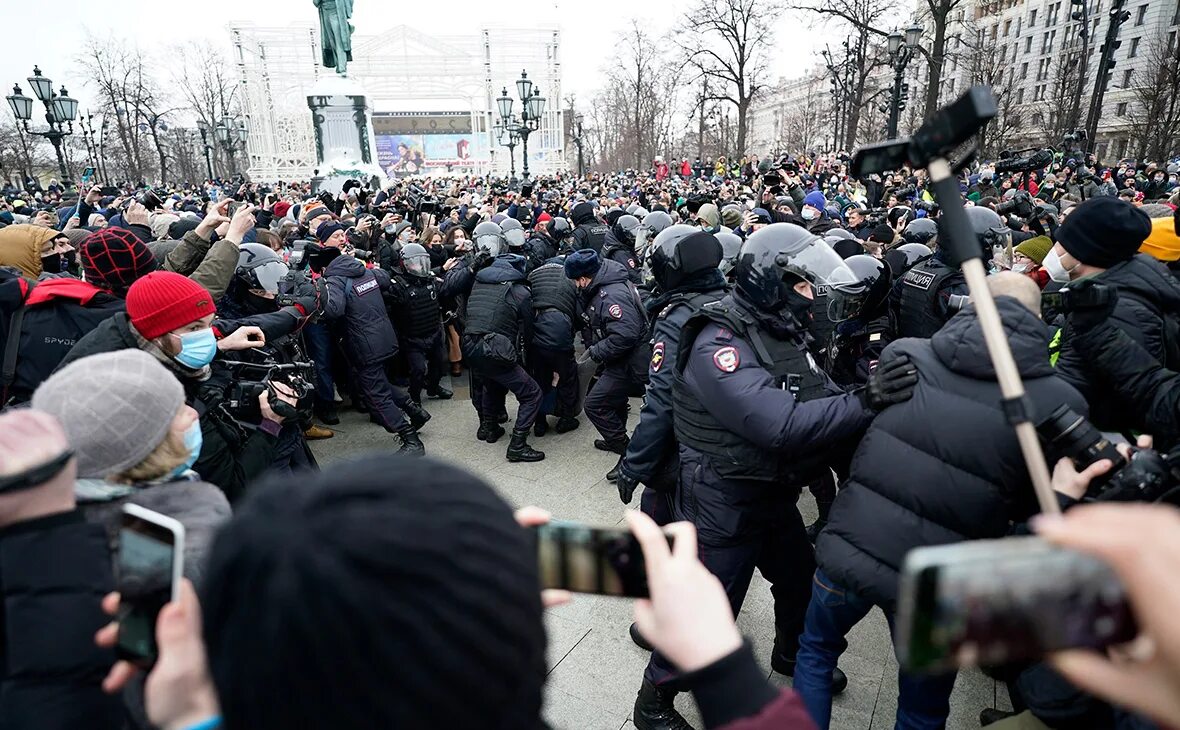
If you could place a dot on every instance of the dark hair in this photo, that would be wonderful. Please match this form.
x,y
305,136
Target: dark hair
x,y
388,592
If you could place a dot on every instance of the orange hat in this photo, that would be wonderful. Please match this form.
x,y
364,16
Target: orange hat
x,y
1162,243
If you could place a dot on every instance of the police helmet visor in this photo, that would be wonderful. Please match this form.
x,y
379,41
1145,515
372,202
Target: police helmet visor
x,y
817,263
270,274
514,237
489,242
417,265
643,239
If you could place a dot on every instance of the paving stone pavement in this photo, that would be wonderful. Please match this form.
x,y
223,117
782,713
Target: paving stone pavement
x,y
594,669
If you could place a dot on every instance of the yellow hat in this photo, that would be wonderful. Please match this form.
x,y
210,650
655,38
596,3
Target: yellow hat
x,y
1163,243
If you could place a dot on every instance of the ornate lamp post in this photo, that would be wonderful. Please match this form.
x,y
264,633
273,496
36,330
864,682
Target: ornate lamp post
x,y
203,128
60,111
578,133
901,51
532,107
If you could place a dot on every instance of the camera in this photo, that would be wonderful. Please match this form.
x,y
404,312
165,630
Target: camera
x,y
150,199
908,191
1025,160
1146,477
1094,296
930,207
253,379
1021,205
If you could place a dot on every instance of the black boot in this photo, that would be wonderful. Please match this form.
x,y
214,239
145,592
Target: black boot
x,y
540,427
482,432
492,430
989,716
637,637
654,709
565,424
416,396
784,664
326,412
615,445
439,392
502,417
612,476
519,449
411,444
417,415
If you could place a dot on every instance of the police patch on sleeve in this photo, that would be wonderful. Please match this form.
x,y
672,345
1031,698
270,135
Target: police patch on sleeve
x,y
615,311
657,357
631,263
726,359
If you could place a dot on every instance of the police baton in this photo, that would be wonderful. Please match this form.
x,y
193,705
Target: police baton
x,y
943,144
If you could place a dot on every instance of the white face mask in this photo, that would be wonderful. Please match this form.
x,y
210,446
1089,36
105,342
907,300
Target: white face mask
x,y
1057,271
1020,268
808,214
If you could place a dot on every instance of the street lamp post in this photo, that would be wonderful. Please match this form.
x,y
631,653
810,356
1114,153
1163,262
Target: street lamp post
x,y
578,141
901,52
203,128
231,132
506,137
60,111
532,107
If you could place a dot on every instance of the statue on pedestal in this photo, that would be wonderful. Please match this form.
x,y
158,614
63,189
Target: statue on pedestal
x,y
335,33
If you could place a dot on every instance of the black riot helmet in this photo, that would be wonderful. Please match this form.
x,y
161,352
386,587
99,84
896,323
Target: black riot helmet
x,y
731,246
992,233
653,224
513,233
680,251
905,257
489,238
864,298
259,269
625,229
920,230
558,229
775,258
416,260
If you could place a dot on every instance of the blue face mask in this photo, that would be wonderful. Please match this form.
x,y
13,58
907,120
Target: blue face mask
x,y
192,442
197,349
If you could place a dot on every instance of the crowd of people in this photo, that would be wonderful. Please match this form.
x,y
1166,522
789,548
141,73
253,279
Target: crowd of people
x,y
788,326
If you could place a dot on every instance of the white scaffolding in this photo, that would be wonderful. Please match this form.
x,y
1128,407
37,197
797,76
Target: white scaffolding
x,y
401,70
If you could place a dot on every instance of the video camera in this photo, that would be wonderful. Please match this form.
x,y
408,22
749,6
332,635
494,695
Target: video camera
x,y
1093,296
253,379
1147,476
420,201
1025,160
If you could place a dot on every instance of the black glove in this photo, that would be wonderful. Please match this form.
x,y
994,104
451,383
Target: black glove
x,y
626,484
1093,303
890,384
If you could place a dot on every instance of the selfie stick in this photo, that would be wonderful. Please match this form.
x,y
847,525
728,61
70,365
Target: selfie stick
x,y
930,147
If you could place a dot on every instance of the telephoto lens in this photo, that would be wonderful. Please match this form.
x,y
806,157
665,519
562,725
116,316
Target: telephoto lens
x,y
1067,434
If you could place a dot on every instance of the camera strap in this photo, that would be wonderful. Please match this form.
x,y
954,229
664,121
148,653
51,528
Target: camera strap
x,y
12,349
36,475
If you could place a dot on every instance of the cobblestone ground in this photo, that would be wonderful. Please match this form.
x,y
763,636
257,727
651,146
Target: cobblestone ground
x,y
594,669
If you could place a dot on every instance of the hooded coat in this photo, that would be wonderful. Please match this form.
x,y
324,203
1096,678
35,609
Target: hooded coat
x,y
944,466
1148,310
20,248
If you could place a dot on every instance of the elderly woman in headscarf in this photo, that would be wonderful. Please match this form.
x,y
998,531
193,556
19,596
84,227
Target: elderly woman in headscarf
x,y
33,251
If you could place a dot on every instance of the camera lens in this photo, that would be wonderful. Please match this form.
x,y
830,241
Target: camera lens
x,y
1068,434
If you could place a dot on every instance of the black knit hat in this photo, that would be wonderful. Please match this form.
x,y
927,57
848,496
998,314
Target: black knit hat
x,y
1104,231
114,258
383,593
582,263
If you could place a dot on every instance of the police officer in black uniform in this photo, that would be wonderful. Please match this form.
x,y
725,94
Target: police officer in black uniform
x,y
415,297
542,245
589,232
499,320
933,291
620,246
617,326
551,351
756,419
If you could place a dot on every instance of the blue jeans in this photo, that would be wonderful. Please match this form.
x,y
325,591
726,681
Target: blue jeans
x,y
318,340
923,701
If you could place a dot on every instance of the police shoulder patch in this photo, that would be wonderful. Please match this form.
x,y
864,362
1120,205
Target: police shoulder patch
x,y
726,359
631,263
615,311
657,356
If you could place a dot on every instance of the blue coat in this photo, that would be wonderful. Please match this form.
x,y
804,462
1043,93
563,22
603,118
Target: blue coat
x,y
353,296
618,324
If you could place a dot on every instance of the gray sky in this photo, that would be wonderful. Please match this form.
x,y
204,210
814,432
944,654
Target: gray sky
x,y
588,30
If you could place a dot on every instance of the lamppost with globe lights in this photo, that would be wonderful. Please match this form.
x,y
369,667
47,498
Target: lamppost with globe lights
x,y
902,50
532,107
231,132
60,111
507,137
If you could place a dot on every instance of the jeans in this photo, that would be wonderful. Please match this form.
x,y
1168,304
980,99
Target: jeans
x,y
923,701
319,347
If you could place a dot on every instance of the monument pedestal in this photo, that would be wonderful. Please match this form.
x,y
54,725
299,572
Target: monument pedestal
x,y
343,123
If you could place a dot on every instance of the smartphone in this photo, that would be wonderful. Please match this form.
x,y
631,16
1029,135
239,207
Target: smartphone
x,y
149,565
233,208
108,191
991,602
603,560
87,174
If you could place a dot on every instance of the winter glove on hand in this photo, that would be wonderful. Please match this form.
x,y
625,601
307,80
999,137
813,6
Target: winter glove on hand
x,y
1083,319
890,384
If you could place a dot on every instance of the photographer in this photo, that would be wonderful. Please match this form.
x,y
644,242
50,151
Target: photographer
x,y
1100,239
172,319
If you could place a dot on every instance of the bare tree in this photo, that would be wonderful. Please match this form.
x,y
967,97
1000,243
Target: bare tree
x,y
1155,110
728,42
208,90
987,64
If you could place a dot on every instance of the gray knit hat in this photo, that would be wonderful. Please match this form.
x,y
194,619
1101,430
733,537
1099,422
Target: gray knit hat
x,y
116,408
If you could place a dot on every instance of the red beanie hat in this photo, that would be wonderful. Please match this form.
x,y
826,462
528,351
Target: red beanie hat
x,y
281,208
544,218
163,301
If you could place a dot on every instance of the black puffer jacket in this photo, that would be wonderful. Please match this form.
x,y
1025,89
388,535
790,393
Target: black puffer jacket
x,y
944,466
1148,296
355,295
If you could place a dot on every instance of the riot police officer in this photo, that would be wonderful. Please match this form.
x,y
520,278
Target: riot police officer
x,y
620,246
545,243
415,295
617,326
551,351
685,263
653,223
731,246
499,319
860,320
920,230
589,232
755,418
